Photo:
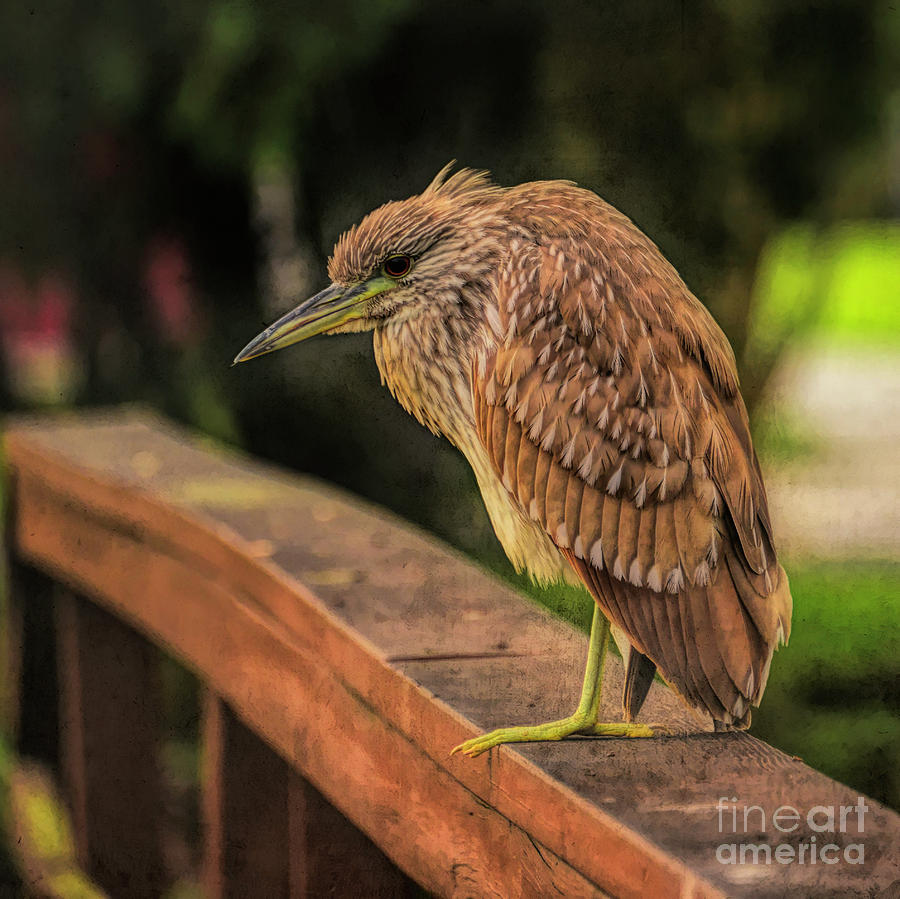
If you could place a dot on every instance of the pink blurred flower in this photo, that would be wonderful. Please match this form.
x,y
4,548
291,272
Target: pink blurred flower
x,y
169,284
35,327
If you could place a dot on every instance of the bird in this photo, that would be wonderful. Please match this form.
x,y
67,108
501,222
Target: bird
x,y
597,401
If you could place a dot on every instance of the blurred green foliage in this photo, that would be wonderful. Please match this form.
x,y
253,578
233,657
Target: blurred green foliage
x,y
836,285
833,697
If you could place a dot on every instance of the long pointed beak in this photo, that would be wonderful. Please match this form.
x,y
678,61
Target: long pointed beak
x,y
329,308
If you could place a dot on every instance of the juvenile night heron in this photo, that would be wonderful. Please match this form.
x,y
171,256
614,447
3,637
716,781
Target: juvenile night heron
x,y
597,401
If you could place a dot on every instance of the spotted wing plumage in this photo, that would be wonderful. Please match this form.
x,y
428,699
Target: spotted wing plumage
x,y
608,403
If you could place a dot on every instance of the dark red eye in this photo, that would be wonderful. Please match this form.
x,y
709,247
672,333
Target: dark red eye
x,y
397,266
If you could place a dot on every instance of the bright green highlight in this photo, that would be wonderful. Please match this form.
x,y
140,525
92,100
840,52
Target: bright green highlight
x,y
46,828
834,284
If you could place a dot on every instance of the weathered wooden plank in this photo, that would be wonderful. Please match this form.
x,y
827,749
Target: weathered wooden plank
x,y
109,720
239,535
341,648
423,818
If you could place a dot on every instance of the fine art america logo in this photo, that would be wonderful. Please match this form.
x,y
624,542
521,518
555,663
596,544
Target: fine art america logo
x,y
812,837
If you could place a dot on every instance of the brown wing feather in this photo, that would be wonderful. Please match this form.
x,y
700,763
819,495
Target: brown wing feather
x,y
526,466
614,420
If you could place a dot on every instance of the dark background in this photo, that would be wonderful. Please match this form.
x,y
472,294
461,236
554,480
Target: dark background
x,y
174,173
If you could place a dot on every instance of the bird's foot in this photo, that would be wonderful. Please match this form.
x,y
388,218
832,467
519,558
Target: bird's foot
x,y
553,730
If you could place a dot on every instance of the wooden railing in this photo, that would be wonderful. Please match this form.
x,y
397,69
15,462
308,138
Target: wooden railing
x,y
342,653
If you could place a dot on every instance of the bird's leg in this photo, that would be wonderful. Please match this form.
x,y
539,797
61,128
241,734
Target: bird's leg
x,y
583,721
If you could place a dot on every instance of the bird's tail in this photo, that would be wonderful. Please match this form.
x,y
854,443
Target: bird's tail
x,y
713,644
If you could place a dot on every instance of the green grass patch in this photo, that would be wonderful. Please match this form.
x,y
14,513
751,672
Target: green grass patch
x,y
572,604
834,693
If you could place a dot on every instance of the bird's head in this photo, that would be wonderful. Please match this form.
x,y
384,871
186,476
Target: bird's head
x,y
431,251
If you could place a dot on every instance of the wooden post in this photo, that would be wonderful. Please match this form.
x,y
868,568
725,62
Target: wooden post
x,y
245,809
109,726
332,857
12,652
271,833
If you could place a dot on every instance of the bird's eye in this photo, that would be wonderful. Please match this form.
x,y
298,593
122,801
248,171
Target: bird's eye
x,y
397,266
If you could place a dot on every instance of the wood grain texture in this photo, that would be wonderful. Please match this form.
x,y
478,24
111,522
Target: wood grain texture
x,y
292,601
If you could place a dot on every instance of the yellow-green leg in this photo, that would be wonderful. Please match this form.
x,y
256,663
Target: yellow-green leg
x,y
584,721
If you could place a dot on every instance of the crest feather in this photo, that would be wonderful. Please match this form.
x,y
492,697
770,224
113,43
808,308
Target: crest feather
x,y
464,181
